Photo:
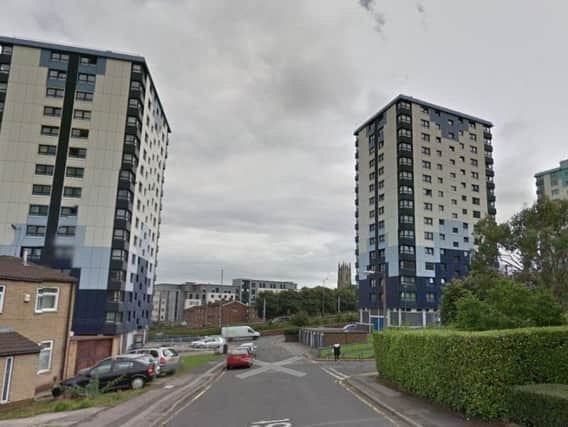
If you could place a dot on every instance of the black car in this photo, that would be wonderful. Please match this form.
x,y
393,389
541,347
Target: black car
x,y
113,373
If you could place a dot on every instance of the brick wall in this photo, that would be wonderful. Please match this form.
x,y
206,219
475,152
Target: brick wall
x,y
229,313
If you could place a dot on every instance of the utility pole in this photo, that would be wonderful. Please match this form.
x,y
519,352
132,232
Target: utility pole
x,y
264,310
339,303
221,276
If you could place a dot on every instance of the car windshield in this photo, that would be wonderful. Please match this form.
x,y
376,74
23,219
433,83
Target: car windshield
x,y
239,352
170,352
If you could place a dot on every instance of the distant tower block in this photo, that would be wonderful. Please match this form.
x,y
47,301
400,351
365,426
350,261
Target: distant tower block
x,y
343,275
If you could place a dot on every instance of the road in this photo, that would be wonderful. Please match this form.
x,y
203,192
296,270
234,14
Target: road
x,y
283,389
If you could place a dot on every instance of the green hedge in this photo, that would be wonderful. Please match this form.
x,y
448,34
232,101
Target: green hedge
x,y
291,331
472,371
542,405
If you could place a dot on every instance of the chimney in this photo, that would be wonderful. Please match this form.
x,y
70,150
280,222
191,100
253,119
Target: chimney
x,y
25,257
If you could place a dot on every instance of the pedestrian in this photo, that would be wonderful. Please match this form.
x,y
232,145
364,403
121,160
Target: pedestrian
x,y
336,351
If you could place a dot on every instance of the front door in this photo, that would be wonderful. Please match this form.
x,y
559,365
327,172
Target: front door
x,y
7,379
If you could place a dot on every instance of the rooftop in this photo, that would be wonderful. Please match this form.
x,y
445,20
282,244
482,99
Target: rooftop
x,y
563,165
13,268
87,51
425,104
12,343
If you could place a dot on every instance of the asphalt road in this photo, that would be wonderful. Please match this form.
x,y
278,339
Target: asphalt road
x,y
295,392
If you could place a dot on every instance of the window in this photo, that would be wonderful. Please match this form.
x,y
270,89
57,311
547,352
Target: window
x,y
407,296
473,162
442,236
425,123
406,219
405,249
69,211
473,137
475,200
441,208
403,146
120,234
430,296
475,175
425,137
438,140
428,220
112,317
473,149
41,189
404,118
454,202
450,122
455,244
406,204
429,251
88,60
49,150
2,293
440,180
429,266
405,132
73,172
56,75
46,300
426,151
404,189
406,234
59,57
83,96
136,68
72,192
87,78
54,93
428,192
38,210
79,153
426,164
50,130
79,133
428,235
45,356
119,255
427,206
405,161
475,188
82,114
122,214
44,169
52,111
5,50
439,166
426,178
3,87
476,214
66,230
405,175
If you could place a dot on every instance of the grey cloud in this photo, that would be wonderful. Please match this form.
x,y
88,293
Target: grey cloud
x,y
379,18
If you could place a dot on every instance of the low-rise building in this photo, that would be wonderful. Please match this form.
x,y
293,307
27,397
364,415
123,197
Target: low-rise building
x,y
553,183
18,363
37,303
248,289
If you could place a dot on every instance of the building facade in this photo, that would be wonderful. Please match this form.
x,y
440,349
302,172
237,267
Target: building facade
x,y
37,302
343,275
248,289
553,183
423,177
83,147
170,300
220,313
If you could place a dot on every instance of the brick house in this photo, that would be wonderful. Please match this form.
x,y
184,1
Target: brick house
x,y
18,362
37,303
219,313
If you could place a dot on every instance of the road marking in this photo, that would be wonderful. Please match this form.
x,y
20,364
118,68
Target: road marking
x,y
273,423
275,366
335,371
335,374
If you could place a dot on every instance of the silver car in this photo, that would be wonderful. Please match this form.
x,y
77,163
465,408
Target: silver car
x,y
167,357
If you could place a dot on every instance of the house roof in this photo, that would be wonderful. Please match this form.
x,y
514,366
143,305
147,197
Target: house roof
x,y
13,268
12,343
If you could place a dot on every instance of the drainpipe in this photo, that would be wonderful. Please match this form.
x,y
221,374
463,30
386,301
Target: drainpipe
x,y
65,366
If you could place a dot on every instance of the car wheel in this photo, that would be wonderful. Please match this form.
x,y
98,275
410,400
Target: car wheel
x,y
137,383
57,391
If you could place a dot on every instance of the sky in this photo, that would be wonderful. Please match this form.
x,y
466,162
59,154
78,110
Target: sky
x,y
263,98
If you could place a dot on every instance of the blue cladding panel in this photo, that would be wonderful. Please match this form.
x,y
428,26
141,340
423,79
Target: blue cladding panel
x,y
89,315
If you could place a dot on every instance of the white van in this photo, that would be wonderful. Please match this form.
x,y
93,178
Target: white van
x,y
239,333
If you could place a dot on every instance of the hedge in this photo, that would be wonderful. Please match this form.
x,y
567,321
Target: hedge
x,y
472,371
542,405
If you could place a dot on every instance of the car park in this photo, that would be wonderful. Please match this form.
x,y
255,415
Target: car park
x,y
167,357
112,373
250,346
239,358
208,342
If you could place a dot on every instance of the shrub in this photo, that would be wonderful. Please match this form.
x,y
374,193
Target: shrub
x,y
61,406
291,331
301,318
543,405
472,371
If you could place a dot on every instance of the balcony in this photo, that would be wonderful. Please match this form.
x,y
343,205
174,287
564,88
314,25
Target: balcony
x,y
490,185
404,107
489,172
489,160
487,134
492,211
488,146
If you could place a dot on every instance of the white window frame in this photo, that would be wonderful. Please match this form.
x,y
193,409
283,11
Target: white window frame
x,y
2,297
50,342
7,380
47,310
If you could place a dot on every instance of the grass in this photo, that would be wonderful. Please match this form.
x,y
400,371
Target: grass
x,y
350,351
106,399
189,363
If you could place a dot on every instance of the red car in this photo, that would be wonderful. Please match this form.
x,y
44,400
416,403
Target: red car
x,y
239,358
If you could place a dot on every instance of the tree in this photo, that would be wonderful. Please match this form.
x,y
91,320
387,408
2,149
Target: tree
x,y
532,246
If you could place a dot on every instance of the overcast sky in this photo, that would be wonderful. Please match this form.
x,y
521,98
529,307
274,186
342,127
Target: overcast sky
x,y
263,97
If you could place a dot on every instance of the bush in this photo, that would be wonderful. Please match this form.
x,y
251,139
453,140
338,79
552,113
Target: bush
x,y
543,405
472,371
291,331
301,318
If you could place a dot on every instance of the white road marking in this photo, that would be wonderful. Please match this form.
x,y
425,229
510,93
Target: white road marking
x,y
275,366
337,375
335,371
273,423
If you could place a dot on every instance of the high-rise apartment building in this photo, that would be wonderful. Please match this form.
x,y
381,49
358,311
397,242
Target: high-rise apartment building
x,y
553,183
424,177
83,148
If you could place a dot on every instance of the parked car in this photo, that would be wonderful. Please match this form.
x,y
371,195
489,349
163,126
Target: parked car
x,y
239,358
148,358
281,319
208,342
250,346
239,332
356,327
113,373
167,357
